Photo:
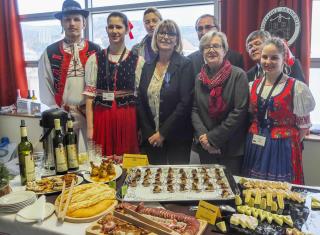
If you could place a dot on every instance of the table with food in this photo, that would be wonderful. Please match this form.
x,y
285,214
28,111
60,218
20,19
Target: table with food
x,y
107,199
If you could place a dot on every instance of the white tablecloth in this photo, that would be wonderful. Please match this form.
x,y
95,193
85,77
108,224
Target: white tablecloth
x,y
8,224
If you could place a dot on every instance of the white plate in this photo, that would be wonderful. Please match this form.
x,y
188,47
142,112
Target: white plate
x,y
16,198
49,209
118,169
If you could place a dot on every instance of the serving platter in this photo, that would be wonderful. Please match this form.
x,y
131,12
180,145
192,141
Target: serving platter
x,y
179,183
91,179
87,219
96,199
36,187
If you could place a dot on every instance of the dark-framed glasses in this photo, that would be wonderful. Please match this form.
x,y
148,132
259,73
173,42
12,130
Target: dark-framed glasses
x,y
206,27
213,46
162,34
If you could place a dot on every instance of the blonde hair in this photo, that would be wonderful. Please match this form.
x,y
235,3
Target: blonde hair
x,y
168,26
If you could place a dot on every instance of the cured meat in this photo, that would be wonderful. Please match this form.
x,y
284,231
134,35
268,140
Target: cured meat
x,y
192,224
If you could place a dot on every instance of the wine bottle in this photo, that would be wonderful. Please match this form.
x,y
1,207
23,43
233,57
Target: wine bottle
x,y
72,147
33,95
29,96
25,152
59,149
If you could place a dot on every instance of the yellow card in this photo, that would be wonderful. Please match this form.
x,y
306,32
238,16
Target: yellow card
x,y
208,212
134,160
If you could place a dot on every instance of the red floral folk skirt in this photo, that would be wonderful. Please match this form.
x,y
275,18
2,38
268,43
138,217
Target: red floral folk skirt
x,y
115,129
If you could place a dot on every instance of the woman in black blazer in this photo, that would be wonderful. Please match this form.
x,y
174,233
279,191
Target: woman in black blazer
x,y
165,99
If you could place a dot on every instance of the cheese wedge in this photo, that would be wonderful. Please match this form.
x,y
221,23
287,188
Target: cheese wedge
x,y
238,200
280,202
315,205
288,220
278,219
251,202
257,199
269,201
313,199
247,197
263,204
222,226
269,217
274,207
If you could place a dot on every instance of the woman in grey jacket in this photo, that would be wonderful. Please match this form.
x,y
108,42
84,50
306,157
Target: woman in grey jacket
x,y
219,113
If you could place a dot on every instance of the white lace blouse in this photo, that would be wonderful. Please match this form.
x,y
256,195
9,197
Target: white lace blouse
x,y
91,71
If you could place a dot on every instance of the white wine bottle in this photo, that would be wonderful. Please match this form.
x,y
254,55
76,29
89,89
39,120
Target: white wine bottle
x,y
60,153
72,147
25,152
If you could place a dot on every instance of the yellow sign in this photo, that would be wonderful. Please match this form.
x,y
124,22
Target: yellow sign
x,y
208,212
134,160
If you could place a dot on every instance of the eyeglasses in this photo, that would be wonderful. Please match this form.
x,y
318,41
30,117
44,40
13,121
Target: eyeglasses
x,y
212,46
169,34
206,27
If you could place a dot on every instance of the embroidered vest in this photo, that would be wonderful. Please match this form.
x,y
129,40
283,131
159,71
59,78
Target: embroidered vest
x,y
281,120
125,79
59,63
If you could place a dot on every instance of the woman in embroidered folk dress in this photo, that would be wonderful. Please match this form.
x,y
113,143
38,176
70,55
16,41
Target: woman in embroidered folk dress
x,y
111,79
165,99
280,108
220,106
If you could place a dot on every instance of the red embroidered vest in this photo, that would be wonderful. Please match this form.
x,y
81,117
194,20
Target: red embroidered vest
x,y
280,114
60,60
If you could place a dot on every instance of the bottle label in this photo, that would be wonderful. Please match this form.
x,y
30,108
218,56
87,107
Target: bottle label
x,y
61,159
72,156
30,168
23,131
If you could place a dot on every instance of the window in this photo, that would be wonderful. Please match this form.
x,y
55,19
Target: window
x,y
314,80
32,6
40,28
189,36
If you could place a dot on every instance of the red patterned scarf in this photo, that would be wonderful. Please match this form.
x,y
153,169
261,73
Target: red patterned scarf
x,y
215,84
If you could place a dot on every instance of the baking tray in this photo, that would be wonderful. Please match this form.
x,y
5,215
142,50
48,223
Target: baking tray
x,y
145,193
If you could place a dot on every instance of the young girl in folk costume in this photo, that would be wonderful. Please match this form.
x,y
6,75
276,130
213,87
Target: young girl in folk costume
x,y
111,79
280,108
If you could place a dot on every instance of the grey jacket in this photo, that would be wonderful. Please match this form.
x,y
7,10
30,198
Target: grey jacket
x,y
229,132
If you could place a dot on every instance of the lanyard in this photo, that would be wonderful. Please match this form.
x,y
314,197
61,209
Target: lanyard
x,y
265,105
115,71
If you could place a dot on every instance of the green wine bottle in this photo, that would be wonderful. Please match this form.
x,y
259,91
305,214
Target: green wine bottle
x,y
72,147
25,152
60,153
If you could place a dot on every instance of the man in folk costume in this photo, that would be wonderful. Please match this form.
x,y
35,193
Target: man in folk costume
x,y
61,66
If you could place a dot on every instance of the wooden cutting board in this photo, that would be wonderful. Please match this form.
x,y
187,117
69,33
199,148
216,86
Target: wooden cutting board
x,y
95,228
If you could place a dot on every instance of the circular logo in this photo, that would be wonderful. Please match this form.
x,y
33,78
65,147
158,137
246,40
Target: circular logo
x,y
282,22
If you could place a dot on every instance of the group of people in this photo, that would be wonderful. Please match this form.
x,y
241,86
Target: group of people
x,y
154,100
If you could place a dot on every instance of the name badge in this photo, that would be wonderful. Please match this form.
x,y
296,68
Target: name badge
x,y
108,96
259,140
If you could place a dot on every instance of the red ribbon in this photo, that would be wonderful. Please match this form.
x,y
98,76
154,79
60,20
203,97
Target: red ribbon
x,y
130,30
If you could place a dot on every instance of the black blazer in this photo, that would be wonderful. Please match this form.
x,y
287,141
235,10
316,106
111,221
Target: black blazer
x,y
175,100
296,72
197,60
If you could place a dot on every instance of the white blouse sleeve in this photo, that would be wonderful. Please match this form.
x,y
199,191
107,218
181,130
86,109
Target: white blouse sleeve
x,y
138,71
303,103
91,70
